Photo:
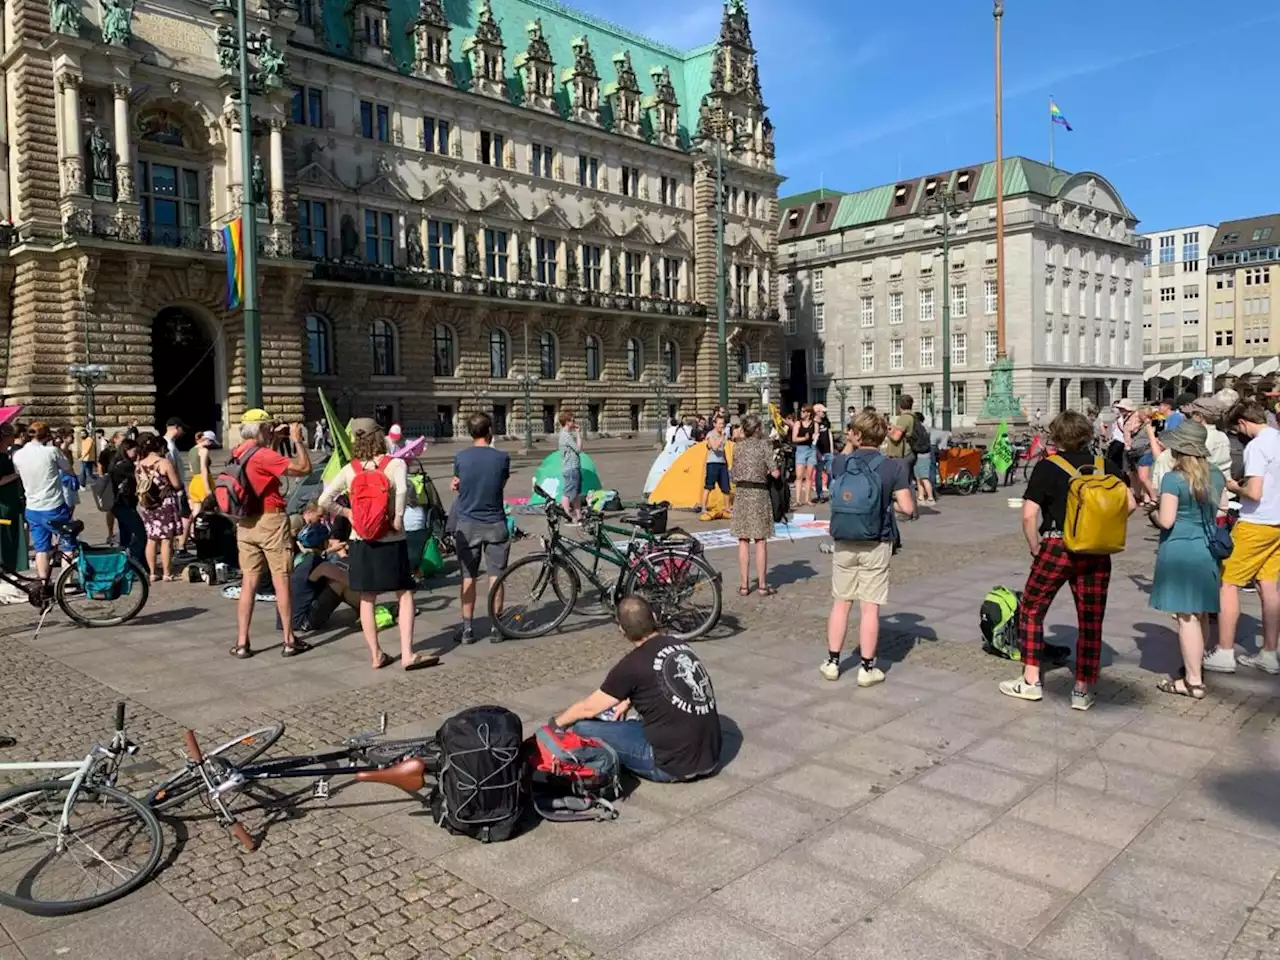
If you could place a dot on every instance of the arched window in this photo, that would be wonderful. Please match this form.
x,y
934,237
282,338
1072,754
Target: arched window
x,y
382,338
635,359
744,361
593,358
446,360
498,361
319,345
670,360
548,360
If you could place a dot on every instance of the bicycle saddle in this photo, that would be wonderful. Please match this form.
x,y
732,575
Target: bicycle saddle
x,y
72,529
407,775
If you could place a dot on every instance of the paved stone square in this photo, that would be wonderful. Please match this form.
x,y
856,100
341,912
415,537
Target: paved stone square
x,y
925,818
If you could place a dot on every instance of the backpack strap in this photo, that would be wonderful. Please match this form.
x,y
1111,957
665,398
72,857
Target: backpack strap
x,y
357,467
1057,461
384,462
547,740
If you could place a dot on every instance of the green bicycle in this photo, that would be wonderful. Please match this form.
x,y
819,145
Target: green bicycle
x,y
539,591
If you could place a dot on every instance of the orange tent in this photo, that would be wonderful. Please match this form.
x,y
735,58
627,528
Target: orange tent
x,y
681,486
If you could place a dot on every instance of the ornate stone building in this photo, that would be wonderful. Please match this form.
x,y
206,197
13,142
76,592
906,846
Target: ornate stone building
x,y
454,195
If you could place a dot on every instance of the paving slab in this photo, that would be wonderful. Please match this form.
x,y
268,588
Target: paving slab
x,y
771,819
1122,781
708,933
607,905
876,856
1160,756
885,758
977,783
1085,814
829,786
935,818
1018,756
1035,853
904,931
1200,848
696,856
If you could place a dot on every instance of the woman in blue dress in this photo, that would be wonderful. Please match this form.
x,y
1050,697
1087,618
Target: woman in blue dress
x,y
1187,577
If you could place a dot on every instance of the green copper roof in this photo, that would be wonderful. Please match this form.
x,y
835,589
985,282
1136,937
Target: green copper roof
x,y
865,206
690,69
809,196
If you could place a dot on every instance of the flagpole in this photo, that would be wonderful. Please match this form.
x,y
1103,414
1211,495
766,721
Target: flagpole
x,y
1051,131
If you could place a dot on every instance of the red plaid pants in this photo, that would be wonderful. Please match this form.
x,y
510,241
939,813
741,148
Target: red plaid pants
x,y
1089,577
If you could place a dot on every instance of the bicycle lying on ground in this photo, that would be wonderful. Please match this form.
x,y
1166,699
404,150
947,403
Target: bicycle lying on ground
x,y
667,569
76,843
233,768
100,586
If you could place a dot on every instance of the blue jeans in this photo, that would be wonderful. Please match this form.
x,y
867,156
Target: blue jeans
x,y
627,739
86,471
824,466
133,535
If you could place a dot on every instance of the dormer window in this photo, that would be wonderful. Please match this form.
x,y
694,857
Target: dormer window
x,y
793,218
536,69
823,210
900,197
963,181
930,187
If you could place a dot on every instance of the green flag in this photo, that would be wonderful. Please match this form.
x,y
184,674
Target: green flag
x,y
341,439
1002,450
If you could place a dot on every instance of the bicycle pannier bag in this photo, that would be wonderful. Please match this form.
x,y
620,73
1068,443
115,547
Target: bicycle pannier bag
x,y
1097,512
370,500
573,777
232,492
857,502
481,791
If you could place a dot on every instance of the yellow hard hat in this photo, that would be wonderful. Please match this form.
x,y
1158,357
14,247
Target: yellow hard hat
x,y
256,415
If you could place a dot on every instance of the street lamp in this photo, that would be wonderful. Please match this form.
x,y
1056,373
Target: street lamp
x,y
717,148
661,387
88,375
527,382
943,202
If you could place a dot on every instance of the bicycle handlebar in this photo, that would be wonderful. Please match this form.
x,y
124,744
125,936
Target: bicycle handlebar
x,y
120,716
193,746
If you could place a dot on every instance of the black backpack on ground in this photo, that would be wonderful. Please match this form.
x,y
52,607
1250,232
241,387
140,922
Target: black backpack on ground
x,y
481,790
779,498
920,442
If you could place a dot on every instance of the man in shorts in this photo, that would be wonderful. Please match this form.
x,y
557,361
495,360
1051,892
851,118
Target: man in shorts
x,y
860,570
717,472
480,476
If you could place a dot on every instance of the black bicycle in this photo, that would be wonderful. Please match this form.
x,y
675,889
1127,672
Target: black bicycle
x,y
539,591
232,768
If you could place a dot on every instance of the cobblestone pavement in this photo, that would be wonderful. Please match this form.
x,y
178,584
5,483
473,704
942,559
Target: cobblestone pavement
x,y
926,818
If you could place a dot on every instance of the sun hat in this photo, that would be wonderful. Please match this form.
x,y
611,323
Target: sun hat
x,y
362,426
1188,438
1125,404
256,415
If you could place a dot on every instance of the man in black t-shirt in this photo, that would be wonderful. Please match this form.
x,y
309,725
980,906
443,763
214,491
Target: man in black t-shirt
x,y
678,734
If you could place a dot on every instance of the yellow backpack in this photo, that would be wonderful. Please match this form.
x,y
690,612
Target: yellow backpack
x,y
1097,514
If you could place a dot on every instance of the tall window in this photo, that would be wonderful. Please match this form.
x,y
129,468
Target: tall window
x,y
1167,248
593,358
630,182
548,361
959,349
635,359
446,362
990,346
375,121
588,172
590,266
667,187
495,255
895,306
1048,296
819,284
671,277
379,237
743,357
540,158
435,136
789,323
926,304
990,296
545,249
819,318
169,202
308,106
632,263
867,311
440,245
492,146
1191,249
382,340
319,345
868,356
958,398
926,352
895,354
313,228
498,360
670,360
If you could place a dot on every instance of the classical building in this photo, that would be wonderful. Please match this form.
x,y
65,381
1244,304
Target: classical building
x,y
452,196
1175,308
862,292
1244,318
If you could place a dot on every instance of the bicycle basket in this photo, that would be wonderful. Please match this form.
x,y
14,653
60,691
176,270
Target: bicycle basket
x,y
105,573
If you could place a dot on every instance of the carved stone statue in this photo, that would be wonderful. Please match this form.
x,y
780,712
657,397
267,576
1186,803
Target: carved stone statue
x,y
228,49
571,266
615,284
117,22
259,180
101,153
413,244
64,17
350,238
271,64
524,261
472,255
655,280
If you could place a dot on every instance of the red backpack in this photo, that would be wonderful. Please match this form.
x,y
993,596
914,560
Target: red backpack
x,y
232,492
370,497
573,777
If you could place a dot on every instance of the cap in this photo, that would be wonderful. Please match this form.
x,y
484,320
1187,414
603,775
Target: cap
x,y
1124,403
256,415
208,435
362,426
394,432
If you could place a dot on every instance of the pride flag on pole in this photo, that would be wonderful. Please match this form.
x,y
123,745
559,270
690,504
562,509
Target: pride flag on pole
x,y
1055,116
233,244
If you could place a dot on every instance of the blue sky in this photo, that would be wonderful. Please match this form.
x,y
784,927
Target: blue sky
x,y
1168,102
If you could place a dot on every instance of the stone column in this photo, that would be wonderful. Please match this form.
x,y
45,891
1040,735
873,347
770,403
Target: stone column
x,y
235,176
73,147
277,172
124,145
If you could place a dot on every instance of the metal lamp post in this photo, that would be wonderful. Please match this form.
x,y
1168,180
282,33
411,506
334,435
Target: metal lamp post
x,y
88,375
528,382
660,386
943,202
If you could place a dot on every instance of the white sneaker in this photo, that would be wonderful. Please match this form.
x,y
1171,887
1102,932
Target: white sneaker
x,y
1268,661
869,678
1082,699
1218,660
830,670
1021,689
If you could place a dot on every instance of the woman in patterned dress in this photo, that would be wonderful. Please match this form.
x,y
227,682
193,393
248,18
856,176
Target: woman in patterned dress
x,y
158,490
752,508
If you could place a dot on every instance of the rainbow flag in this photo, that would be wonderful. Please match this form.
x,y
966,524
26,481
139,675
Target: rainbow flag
x,y
233,243
1055,116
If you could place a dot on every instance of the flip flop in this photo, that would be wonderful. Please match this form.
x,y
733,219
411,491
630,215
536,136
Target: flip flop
x,y
421,663
384,660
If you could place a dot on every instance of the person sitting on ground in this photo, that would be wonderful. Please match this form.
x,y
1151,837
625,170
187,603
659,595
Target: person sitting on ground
x,y
677,737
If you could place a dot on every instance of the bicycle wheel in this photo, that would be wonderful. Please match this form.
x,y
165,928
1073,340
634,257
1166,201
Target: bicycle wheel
x,y
682,589
109,848
538,592
102,608
1029,464
186,783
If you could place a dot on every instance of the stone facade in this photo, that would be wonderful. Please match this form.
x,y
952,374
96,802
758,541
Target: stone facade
x,y
448,202
1176,308
863,291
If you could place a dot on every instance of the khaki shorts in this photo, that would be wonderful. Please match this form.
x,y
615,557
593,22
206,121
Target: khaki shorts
x,y
265,544
860,571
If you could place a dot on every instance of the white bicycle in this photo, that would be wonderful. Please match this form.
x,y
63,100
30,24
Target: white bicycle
x,y
75,843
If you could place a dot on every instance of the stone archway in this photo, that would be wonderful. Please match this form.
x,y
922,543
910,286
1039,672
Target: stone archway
x,y
188,370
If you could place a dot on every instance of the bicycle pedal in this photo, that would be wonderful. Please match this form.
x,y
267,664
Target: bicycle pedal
x,y
320,790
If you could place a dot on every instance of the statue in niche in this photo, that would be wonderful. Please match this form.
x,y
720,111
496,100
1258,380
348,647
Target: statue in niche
x,y
117,22
350,237
101,155
615,283
571,266
472,255
64,17
655,280
259,180
524,261
414,245
271,64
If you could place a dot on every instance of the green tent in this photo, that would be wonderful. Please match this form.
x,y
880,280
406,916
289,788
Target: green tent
x,y
547,476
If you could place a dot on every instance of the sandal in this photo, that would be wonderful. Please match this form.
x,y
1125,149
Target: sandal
x,y
1195,691
295,648
241,652
766,591
744,591
422,662
384,660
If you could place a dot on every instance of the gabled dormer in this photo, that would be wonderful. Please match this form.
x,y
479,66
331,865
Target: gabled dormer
x,y
584,84
430,30
664,108
624,97
537,71
370,25
487,55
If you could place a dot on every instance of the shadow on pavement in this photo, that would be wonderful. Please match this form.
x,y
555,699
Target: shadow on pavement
x,y
793,571
167,616
1250,793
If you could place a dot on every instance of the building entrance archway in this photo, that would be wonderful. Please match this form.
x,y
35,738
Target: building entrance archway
x,y
186,358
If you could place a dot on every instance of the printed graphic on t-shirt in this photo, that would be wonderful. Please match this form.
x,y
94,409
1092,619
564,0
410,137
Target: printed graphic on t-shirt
x,y
684,679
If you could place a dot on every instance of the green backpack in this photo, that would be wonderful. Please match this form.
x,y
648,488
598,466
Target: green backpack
x,y
999,618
